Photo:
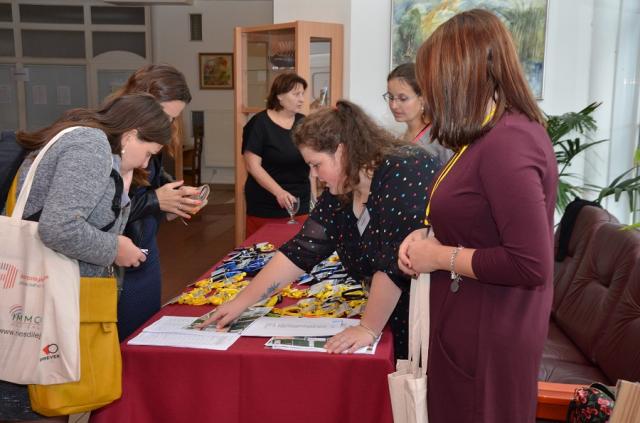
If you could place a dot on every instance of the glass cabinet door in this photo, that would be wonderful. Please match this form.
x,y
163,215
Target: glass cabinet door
x,y
267,55
320,75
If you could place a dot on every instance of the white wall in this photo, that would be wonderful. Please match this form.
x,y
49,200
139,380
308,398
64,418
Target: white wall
x,y
591,55
171,45
366,42
583,63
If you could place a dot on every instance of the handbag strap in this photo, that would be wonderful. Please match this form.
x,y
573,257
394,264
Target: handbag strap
x,y
21,202
419,323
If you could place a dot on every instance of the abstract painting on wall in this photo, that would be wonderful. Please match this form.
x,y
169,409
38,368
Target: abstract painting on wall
x,y
412,21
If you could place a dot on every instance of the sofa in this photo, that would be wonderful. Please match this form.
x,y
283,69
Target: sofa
x,y
594,332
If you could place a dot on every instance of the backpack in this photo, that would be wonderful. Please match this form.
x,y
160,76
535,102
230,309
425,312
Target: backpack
x,y
11,156
592,404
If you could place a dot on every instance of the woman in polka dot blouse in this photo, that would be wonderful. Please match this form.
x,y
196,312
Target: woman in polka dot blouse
x,y
376,195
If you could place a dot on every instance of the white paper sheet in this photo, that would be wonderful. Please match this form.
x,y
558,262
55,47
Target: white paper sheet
x,y
172,324
170,331
212,340
298,326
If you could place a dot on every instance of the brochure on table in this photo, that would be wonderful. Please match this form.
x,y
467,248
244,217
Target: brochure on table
x,y
171,331
311,344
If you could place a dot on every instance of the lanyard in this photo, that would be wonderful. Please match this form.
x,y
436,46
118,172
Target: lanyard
x,y
444,173
450,164
421,133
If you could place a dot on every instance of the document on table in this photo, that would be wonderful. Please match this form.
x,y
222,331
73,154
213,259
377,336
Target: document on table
x,y
238,325
298,326
311,344
170,331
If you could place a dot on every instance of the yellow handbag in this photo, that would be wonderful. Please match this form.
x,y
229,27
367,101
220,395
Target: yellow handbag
x,y
100,360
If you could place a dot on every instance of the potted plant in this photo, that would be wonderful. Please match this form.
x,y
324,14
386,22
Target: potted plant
x,y
569,135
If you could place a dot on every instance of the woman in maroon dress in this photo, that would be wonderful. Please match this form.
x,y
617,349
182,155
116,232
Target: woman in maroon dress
x,y
491,212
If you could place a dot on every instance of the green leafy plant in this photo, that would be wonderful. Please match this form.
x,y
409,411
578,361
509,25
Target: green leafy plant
x,y
569,135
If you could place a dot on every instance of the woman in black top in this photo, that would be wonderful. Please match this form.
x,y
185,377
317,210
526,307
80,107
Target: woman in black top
x,y
277,171
376,194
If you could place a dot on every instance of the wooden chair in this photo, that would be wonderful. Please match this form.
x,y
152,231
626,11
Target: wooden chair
x,y
191,161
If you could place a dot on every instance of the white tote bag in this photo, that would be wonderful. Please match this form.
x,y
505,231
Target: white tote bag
x,y
408,384
39,301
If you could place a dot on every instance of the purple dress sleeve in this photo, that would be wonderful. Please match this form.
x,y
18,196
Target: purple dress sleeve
x,y
516,197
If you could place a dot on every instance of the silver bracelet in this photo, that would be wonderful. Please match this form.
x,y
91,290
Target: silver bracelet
x,y
369,331
455,277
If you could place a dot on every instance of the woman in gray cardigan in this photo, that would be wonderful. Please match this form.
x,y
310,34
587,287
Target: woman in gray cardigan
x,y
79,193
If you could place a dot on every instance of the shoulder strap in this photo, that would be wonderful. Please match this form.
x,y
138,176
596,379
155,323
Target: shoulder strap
x,y
21,201
117,198
419,322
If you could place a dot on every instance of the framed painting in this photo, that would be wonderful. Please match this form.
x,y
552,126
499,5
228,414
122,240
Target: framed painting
x,y
216,71
412,21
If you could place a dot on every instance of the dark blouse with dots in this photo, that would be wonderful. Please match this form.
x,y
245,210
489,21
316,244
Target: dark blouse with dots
x,y
396,206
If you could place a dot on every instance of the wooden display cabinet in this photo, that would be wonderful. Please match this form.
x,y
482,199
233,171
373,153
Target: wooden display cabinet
x,y
313,50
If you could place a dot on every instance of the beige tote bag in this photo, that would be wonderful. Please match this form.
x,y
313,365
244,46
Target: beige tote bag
x,y
39,301
408,384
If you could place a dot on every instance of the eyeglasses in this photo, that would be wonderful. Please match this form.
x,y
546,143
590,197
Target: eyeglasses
x,y
401,98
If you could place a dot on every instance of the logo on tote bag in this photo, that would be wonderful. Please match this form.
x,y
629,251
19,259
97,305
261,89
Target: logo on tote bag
x,y
18,316
8,274
50,352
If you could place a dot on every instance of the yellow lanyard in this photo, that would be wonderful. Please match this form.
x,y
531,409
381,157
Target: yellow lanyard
x,y
444,172
450,164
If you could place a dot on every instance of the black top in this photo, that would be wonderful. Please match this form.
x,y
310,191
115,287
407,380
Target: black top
x,y
282,161
396,206
11,156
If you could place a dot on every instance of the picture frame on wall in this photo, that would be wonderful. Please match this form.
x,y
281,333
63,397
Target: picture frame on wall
x,y
216,71
412,21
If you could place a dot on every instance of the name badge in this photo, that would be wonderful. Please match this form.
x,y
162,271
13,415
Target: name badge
x,y
363,220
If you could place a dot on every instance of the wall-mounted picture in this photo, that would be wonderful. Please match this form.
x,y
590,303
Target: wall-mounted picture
x,y
412,21
216,71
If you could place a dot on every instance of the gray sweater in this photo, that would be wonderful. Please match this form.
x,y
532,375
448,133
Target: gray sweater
x,y
74,190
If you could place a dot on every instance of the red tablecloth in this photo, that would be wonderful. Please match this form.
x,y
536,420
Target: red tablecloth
x,y
249,383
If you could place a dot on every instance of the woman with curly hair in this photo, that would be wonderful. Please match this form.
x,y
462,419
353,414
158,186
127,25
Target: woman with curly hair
x,y
376,194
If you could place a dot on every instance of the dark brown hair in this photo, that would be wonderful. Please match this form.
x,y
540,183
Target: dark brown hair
x,y
165,83
466,63
283,84
133,111
365,144
407,73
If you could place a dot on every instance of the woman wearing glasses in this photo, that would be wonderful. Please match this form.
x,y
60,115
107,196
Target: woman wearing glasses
x,y
407,105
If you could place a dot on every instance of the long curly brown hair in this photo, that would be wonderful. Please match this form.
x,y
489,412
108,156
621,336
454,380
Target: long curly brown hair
x,y
365,143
